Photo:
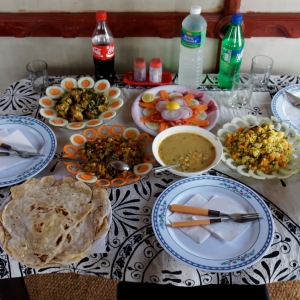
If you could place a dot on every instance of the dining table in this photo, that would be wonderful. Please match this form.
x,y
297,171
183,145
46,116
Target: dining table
x,y
132,251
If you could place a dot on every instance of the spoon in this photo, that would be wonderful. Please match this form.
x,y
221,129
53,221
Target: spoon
x,y
117,164
162,168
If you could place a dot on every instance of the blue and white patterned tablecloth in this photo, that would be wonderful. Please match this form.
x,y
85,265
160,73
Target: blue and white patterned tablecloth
x,y
132,251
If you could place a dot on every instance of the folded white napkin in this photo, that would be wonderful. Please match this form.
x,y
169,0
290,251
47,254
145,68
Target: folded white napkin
x,y
17,141
3,134
197,233
228,230
291,112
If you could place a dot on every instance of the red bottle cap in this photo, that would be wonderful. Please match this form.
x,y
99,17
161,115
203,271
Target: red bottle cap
x,y
155,63
101,15
139,63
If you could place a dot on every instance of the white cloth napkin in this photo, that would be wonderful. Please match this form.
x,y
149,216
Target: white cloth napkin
x,y
18,141
197,233
3,134
227,231
291,112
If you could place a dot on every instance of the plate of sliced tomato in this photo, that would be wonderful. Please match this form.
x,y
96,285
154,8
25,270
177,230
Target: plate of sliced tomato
x,y
166,106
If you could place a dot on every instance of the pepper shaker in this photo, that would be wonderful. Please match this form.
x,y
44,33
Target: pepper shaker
x,y
155,70
139,69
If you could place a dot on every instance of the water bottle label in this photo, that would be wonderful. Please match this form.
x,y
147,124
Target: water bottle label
x,y
231,55
104,52
193,39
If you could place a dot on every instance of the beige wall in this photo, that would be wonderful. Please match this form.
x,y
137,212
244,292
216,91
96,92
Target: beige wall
x,y
74,56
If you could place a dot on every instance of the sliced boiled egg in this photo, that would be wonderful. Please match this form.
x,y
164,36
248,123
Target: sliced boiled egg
x,y
86,177
75,125
115,104
113,92
107,115
174,95
152,125
86,82
78,140
60,122
68,83
48,113
101,86
193,102
131,133
93,123
47,102
54,92
142,169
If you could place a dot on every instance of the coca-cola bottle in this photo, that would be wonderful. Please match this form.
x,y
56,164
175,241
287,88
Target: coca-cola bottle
x,y
103,49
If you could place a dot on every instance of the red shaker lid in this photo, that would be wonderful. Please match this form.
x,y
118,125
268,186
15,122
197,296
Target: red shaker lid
x,y
101,15
155,63
139,62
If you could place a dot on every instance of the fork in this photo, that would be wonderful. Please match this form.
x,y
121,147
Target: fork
x,y
209,212
189,223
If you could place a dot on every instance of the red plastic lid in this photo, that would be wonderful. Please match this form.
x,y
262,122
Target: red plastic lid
x,y
101,15
155,63
139,62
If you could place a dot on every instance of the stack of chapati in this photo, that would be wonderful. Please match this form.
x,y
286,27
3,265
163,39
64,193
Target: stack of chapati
x,y
53,223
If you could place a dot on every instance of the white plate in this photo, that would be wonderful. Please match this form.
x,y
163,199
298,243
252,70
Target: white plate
x,y
42,139
283,110
292,137
214,254
136,110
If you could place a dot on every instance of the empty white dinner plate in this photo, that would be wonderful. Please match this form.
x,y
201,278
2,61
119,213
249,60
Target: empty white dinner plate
x,y
41,137
214,254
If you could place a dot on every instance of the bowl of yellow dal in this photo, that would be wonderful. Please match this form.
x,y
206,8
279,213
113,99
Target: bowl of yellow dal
x,y
196,150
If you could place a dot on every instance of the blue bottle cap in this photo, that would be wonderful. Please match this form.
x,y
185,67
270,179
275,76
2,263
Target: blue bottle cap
x,y
236,18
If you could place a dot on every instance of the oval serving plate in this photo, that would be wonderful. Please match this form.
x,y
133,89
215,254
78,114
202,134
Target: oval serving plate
x,y
292,137
48,104
90,134
202,97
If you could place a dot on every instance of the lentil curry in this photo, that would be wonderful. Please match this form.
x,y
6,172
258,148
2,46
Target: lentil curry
x,y
193,151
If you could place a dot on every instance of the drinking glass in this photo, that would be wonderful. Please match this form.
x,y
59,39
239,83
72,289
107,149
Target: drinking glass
x,y
261,68
242,87
38,74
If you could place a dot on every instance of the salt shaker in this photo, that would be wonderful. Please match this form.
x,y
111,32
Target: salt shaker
x,y
155,70
139,69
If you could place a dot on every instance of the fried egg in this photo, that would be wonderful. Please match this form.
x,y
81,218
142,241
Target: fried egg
x,y
131,133
68,83
142,169
48,113
86,82
86,177
54,92
47,102
112,93
107,115
101,86
60,122
93,123
78,140
76,125
115,104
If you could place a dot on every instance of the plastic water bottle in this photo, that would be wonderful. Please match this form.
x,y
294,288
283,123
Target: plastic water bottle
x,y
193,37
231,52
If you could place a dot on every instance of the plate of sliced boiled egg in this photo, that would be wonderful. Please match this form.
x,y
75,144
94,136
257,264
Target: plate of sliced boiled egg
x,y
139,157
98,102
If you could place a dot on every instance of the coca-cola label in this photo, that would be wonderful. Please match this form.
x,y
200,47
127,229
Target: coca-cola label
x,y
104,52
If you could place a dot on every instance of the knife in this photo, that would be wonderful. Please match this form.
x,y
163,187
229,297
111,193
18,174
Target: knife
x,y
28,154
190,223
293,99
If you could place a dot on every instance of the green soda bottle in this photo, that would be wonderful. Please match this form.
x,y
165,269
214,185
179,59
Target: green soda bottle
x,y
231,52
